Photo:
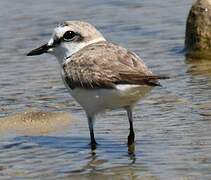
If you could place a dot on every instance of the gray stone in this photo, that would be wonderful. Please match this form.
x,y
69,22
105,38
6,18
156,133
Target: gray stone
x,y
198,30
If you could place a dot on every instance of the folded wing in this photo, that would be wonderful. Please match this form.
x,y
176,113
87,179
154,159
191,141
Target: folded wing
x,y
105,65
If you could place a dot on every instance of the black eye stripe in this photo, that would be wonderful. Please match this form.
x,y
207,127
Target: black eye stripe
x,y
56,41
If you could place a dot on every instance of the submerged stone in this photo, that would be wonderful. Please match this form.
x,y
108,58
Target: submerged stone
x,y
198,30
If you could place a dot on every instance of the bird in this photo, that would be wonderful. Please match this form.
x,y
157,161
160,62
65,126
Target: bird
x,y
99,74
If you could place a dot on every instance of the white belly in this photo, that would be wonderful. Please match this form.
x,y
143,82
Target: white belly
x,y
97,100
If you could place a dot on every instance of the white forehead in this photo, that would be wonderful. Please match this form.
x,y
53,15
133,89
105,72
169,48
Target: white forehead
x,y
60,30
58,33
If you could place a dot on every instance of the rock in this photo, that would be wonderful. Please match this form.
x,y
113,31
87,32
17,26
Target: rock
x,y
198,30
34,122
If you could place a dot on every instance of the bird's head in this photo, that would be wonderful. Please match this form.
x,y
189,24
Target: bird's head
x,y
68,38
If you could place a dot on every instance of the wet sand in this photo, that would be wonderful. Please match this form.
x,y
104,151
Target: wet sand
x,y
34,122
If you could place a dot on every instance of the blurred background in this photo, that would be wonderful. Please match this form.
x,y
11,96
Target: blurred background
x,y
172,124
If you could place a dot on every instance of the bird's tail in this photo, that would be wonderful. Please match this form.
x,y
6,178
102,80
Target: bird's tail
x,y
154,80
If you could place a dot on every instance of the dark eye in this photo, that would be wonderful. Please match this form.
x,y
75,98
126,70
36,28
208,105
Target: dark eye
x,y
68,36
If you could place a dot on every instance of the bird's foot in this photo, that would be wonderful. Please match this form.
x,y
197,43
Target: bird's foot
x,y
131,143
93,145
131,138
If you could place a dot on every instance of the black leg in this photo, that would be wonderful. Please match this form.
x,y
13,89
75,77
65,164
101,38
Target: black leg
x,y
91,130
131,136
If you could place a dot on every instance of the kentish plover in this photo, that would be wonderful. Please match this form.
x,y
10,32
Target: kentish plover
x,y
98,74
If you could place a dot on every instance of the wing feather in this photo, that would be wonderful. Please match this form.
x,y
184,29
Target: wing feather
x,y
104,65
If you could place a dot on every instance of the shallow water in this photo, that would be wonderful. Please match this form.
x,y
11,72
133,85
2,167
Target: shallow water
x,y
172,124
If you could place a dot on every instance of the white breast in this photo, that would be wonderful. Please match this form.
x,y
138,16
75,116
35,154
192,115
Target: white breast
x,y
97,100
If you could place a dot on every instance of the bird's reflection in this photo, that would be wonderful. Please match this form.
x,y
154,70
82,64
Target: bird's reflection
x,y
93,147
109,159
131,152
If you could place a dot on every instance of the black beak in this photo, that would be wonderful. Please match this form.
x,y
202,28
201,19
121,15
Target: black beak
x,y
40,50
